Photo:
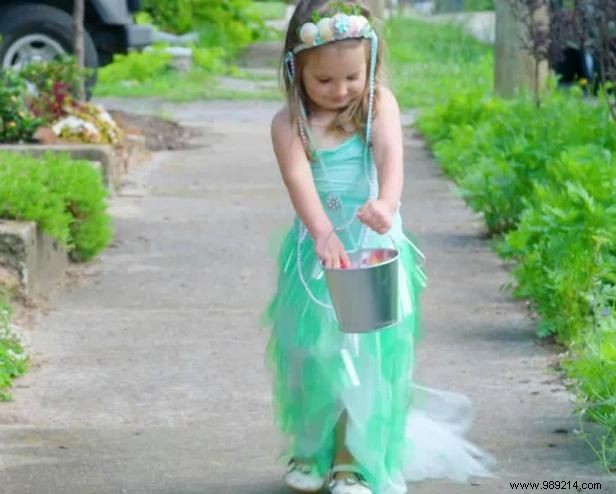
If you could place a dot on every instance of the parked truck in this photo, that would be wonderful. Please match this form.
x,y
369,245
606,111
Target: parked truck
x,y
42,30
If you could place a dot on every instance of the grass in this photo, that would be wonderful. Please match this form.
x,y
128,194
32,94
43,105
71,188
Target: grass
x,y
268,10
428,63
181,87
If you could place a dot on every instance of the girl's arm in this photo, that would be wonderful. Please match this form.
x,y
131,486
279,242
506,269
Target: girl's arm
x,y
388,156
297,176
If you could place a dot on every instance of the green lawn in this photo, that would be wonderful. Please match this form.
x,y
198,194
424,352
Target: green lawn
x,y
428,63
269,10
194,85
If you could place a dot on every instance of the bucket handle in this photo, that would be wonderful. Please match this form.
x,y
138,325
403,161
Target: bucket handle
x,y
299,257
361,237
300,239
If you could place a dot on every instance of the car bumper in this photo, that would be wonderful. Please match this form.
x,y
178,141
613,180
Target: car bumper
x,y
138,36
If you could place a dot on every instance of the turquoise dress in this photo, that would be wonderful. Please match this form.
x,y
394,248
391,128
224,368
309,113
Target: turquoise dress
x,y
320,372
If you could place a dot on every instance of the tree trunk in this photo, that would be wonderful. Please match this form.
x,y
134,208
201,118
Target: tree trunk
x,y
514,67
78,46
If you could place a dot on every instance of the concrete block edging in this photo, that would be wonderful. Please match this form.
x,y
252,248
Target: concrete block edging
x,y
31,262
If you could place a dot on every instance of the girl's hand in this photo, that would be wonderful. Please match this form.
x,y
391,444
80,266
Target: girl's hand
x,y
377,214
330,251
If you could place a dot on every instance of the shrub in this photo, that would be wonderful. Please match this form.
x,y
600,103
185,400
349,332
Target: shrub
x,y
136,66
565,243
591,365
65,198
547,177
56,84
17,122
229,24
498,150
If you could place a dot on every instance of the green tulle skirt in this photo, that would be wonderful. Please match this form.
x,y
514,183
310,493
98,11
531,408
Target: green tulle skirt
x,y
321,374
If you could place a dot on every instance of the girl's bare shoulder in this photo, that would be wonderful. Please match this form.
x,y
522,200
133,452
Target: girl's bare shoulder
x,y
387,98
282,121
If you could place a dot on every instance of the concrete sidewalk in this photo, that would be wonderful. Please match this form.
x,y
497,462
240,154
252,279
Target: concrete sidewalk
x,y
150,375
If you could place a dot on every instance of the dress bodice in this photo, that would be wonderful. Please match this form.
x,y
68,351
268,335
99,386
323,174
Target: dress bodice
x,y
346,172
342,171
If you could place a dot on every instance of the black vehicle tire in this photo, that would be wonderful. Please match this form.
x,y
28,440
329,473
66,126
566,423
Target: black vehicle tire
x,y
19,21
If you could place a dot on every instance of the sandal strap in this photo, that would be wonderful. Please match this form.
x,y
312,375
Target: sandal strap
x,y
293,464
346,468
342,468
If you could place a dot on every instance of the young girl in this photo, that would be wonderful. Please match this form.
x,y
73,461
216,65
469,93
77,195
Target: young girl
x,y
345,401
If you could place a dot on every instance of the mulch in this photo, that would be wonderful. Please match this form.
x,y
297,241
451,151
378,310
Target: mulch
x,y
160,134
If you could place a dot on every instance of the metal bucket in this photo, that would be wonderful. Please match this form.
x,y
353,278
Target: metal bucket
x,y
365,295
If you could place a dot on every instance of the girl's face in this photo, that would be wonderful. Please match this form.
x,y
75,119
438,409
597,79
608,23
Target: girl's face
x,y
334,75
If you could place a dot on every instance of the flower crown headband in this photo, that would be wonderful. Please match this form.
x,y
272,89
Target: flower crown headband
x,y
335,28
347,23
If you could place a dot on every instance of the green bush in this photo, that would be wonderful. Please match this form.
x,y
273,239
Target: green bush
x,y
591,367
17,122
212,60
229,24
57,84
13,349
546,176
478,5
65,198
498,150
565,243
136,66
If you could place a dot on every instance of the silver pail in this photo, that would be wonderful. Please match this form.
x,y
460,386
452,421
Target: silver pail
x,y
365,296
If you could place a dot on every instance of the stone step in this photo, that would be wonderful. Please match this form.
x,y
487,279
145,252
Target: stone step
x,y
31,262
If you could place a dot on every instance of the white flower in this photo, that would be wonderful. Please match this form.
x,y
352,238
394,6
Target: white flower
x,y
326,29
309,33
75,125
359,23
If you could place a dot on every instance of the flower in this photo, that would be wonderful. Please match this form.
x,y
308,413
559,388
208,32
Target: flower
x,y
342,23
326,31
309,32
361,22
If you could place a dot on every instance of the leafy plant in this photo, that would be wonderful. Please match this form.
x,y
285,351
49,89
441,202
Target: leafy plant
x,y
17,122
545,176
136,67
565,243
13,348
229,24
55,83
497,150
591,365
65,198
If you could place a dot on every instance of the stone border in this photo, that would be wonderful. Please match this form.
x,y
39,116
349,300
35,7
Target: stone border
x,y
31,262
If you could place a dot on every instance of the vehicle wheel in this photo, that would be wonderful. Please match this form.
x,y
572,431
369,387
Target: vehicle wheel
x,y
39,33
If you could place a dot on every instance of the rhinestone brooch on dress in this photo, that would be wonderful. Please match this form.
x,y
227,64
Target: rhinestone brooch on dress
x,y
333,202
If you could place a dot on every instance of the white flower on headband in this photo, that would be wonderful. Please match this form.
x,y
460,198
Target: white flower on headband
x,y
326,29
358,24
308,33
339,27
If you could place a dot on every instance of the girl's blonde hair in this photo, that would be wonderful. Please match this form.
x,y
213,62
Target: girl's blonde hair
x,y
356,114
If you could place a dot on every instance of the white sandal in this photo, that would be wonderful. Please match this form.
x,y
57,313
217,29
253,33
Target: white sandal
x,y
303,478
350,485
